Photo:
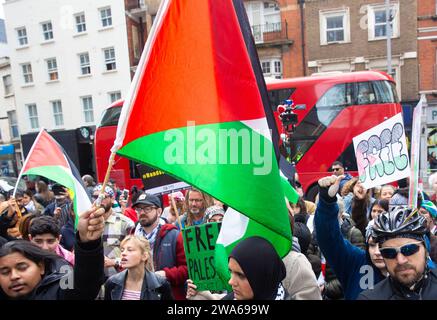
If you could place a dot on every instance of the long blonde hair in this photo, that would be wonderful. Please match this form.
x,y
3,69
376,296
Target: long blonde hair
x,y
144,246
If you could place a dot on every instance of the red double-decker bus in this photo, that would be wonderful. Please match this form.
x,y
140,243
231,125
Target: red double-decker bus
x,y
338,107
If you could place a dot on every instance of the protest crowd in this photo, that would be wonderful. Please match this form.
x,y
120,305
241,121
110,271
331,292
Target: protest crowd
x,y
353,243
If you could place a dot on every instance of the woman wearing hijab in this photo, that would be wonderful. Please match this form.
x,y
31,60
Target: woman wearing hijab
x,y
256,271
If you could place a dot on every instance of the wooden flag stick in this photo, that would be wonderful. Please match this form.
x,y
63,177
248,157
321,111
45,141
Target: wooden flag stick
x,y
173,203
105,181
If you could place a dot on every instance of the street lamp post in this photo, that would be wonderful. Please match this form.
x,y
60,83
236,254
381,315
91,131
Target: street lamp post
x,y
388,18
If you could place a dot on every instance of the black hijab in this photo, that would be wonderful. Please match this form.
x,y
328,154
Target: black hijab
x,y
262,266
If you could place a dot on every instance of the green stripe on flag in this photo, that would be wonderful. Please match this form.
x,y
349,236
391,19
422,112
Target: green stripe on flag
x,y
241,172
60,175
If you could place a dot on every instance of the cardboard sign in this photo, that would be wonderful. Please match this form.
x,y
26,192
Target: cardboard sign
x,y
199,245
382,154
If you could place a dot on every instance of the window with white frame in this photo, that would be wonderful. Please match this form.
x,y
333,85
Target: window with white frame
x,y
57,113
87,105
22,36
106,17
85,67
377,21
7,84
47,30
334,26
114,96
272,68
33,115
13,124
27,72
52,69
80,22
109,59
264,16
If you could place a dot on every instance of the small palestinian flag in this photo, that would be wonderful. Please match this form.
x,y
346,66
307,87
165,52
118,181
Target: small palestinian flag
x,y
48,159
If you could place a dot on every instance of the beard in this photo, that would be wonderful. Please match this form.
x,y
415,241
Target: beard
x,y
407,280
148,222
107,207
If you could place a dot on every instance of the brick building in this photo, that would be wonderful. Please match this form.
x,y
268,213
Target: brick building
x,y
427,54
351,36
277,30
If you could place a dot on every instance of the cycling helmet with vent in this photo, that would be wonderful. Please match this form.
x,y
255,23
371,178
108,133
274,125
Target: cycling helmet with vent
x,y
399,222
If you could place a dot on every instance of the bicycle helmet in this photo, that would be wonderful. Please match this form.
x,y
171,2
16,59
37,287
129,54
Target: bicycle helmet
x,y
399,222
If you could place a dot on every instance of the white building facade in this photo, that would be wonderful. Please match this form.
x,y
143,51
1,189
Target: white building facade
x,y
69,60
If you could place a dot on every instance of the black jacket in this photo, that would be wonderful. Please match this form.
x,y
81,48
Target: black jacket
x,y
388,289
87,277
153,288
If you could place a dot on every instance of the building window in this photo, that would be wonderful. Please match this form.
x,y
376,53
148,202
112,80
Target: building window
x,y
80,22
22,36
33,116
377,21
47,30
7,85
114,96
87,104
52,68
264,17
57,113
13,124
85,67
106,17
27,72
272,68
109,59
334,26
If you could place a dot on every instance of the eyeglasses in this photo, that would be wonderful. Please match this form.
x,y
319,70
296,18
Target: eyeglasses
x,y
336,169
95,196
145,209
406,250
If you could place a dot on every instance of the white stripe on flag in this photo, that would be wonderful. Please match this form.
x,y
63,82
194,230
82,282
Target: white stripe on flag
x,y
234,226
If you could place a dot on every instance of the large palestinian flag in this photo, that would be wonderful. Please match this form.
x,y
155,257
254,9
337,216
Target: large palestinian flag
x,y
48,159
197,110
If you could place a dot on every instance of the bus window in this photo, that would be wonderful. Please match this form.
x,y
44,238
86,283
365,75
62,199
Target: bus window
x,y
133,169
365,93
385,92
277,97
110,117
333,101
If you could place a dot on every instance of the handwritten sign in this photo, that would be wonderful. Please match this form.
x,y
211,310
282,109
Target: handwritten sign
x,y
381,152
199,244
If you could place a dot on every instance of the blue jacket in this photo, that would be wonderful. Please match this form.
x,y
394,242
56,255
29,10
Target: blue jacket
x,y
345,259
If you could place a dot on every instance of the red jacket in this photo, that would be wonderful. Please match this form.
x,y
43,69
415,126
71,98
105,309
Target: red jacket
x,y
169,256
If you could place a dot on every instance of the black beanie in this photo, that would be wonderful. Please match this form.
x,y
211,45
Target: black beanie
x,y
261,265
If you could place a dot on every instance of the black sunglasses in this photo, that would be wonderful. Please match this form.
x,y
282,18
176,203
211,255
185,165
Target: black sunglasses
x,y
406,250
336,169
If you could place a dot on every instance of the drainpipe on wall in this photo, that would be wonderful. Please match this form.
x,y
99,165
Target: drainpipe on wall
x,y
302,32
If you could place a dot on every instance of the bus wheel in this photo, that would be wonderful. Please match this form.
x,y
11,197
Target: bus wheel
x,y
312,193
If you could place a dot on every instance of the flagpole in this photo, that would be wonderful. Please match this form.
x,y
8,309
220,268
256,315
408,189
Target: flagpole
x,y
25,162
105,181
173,203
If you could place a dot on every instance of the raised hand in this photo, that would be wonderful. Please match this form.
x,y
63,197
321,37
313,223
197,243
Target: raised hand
x,y
91,224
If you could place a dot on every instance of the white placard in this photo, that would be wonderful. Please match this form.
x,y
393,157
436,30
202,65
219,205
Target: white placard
x,y
382,154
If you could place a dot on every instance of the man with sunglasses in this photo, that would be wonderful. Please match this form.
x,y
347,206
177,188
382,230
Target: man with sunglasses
x,y
401,236
338,170
165,240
